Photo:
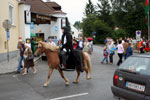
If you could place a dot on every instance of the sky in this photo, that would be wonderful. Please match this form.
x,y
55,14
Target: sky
x,y
73,8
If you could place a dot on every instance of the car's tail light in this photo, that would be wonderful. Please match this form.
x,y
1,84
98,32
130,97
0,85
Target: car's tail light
x,y
115,80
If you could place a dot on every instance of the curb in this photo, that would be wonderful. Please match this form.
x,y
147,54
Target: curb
x,y
12,72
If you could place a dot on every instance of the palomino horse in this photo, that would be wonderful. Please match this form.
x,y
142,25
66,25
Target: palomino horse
x,y
52,54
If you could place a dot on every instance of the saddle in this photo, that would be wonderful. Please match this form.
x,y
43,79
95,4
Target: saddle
x,y
71,61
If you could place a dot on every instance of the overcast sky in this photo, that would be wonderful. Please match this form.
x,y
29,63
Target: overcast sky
x,y
73,8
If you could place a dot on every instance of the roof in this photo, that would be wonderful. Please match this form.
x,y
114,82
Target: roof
x,y
53,4
38,6
58,12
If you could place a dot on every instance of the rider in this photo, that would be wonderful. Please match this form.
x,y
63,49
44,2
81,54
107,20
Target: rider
x,y
67,46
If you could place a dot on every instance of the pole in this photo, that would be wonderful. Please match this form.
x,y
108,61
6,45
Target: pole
x,y
148,23
7,31
7,51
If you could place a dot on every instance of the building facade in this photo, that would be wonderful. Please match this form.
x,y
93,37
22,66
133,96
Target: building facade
x,y
9,10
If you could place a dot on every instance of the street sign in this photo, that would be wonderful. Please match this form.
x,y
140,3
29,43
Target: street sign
x,y
32,25
94,33
138,35
7,24
56,28
8,34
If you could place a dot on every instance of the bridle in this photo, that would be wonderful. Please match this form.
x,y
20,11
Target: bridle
x,y
40,49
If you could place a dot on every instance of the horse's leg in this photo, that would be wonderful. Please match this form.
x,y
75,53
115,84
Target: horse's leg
x,y
77,78
87,75
49,75
62,75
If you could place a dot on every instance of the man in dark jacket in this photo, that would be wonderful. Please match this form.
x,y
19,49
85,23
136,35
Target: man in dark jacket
x,y
71,56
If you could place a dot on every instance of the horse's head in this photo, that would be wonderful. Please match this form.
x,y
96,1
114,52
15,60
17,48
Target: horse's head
x,y
40,49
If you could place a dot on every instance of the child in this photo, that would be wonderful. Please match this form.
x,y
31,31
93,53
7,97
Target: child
x,y
28,58
105,55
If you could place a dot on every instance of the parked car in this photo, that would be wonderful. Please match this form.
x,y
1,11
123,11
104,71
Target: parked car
x,y
131,79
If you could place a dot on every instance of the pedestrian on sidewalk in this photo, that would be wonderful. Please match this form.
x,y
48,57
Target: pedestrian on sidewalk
x,y
105,54
28,61
120,51
21,47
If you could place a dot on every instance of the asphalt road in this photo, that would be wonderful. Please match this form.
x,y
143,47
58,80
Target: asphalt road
x,y
30,86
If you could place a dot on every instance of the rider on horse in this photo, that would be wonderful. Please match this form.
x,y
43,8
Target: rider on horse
x,y
67,46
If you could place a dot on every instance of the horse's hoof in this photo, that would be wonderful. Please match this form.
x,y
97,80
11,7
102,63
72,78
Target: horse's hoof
x,y
45,85
88,78
75,82
67,83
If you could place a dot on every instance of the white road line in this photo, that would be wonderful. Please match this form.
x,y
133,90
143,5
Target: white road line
x,y
71,96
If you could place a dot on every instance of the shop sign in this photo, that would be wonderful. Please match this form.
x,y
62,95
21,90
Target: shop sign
x,y
27,17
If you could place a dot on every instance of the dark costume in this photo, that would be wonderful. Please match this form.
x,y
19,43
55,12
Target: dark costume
x,y
73,58
29,62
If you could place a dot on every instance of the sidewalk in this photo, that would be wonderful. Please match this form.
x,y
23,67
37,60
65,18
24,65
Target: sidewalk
x,y
11,66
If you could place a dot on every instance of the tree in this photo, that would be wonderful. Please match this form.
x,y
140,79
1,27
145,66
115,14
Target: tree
x,y
89,9
77,25
104,12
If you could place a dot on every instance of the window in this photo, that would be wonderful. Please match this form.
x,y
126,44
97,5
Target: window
x,y
11,14
136,64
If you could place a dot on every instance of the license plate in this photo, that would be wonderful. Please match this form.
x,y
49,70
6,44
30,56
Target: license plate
x,y
136,87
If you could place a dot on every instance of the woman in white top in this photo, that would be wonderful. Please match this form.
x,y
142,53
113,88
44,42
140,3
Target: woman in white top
x,y
120,51
87,46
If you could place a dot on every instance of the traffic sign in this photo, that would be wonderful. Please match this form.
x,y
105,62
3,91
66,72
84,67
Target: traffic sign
x,y
8,34
138,35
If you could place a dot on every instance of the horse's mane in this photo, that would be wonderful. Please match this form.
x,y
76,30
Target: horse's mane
x,y
49,46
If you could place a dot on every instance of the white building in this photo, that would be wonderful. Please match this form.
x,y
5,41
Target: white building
x,y
75,32
46,19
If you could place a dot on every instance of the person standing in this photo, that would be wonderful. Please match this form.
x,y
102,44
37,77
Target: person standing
x,y
129,51
80,44
29,61
51,42
105,53
110,46
75,44
125,46
21,47
33,44
120,51
87,47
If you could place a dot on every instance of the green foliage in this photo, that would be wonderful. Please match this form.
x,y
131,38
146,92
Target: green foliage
x,y
118,33
96,25
127,15
77,25
89,9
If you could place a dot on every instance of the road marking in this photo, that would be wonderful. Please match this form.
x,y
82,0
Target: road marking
x,y
71,96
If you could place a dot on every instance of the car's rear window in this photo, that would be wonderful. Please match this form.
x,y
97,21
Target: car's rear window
x,y
139,65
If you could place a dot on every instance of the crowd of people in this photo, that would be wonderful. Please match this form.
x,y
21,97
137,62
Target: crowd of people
x,y
124,48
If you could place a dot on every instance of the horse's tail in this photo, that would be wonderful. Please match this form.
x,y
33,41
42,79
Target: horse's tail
x,y
88,61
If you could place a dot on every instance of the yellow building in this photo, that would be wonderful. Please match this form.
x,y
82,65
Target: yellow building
x,y
9,9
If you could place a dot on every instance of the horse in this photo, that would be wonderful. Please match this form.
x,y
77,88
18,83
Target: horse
x,y
52,54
